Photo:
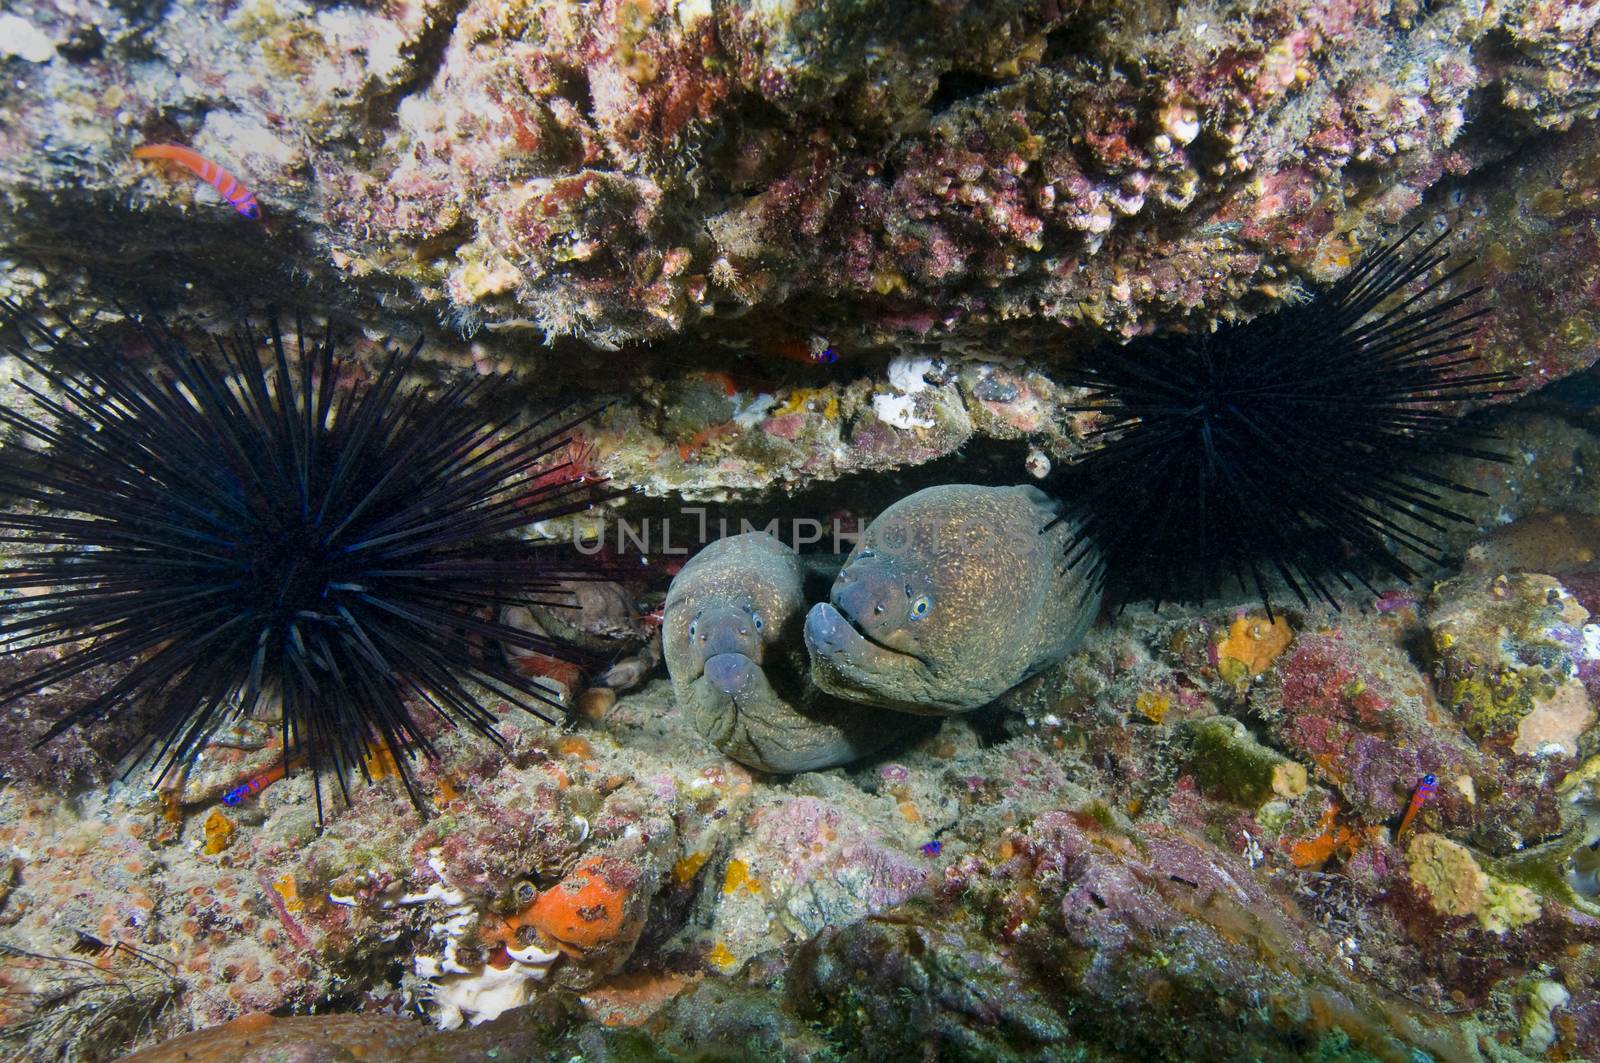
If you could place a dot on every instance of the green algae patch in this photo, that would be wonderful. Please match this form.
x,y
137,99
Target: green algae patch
x,y
1504,654
1228,761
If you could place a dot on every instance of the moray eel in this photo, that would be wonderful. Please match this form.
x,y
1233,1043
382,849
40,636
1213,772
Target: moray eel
x,y
952,596
731,637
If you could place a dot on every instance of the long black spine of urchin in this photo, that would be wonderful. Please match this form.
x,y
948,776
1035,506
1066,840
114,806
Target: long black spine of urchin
x,y
242,531
1295,444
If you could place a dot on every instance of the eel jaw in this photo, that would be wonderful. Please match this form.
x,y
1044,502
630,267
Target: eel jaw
x,y
728,684
732,674
846,663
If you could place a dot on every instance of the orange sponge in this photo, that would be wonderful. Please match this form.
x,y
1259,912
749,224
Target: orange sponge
x,y
584,910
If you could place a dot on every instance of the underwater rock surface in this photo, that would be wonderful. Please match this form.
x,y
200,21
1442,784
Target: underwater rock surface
x,y
820,256
788,199
1203,823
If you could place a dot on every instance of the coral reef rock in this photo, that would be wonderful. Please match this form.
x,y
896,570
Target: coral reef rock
x,y
802,197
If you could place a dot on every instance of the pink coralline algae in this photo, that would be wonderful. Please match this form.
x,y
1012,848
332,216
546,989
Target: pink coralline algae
x,y
1321,681
634,169
1345,705
832,866
628,180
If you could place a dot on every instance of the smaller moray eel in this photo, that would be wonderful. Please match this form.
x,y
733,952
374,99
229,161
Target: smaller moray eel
x,y
731,637
952,596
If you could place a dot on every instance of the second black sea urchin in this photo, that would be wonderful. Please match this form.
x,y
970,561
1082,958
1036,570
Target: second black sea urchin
x,y
252,525
1295,447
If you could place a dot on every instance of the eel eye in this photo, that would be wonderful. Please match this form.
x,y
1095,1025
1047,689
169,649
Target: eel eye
x,y
694,626
921,607
865,554
756,619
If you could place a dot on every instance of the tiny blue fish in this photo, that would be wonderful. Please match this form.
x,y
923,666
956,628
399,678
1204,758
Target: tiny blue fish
x,y
932,848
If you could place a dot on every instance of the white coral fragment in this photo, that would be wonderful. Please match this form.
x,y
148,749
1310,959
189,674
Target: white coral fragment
x,y
473,993
488,994
21,38
900,411
908,375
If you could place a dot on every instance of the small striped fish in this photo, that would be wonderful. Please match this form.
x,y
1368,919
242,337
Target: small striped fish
x,y
253,785
1419,797
243,200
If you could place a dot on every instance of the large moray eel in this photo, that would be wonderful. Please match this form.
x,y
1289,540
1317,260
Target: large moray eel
x,y
731,635
952,596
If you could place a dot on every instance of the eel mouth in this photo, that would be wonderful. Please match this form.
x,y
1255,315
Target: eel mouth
x,y
728,685
732,674
830,634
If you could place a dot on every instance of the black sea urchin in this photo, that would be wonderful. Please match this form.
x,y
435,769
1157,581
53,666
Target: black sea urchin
x,y
1293,445
249,535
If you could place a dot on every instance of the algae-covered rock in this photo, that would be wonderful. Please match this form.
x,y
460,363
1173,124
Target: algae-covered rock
x,y
1577,861
730,181
1538,1027
1455,884
1510,647
1229,761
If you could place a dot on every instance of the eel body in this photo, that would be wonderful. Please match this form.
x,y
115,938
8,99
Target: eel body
x,y
731,635
952,596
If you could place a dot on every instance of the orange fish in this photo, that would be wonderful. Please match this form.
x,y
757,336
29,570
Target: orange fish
x,y
1425,789
243,200
813,351
256,783
253,785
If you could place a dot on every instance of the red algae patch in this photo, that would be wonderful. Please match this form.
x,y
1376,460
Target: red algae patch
x,y
632,999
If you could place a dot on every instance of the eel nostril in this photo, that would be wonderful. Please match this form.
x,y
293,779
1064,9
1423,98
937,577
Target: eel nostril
x,y
877,609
